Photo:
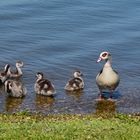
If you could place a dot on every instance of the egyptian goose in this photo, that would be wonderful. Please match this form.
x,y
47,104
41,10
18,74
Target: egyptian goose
x,y
107,78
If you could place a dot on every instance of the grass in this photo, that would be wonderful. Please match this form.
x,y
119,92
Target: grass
x,y
24,126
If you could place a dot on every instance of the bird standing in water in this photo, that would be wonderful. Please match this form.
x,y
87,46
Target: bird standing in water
x,y
107,78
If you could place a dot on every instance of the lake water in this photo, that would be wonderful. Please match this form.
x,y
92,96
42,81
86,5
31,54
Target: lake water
x,y
58,36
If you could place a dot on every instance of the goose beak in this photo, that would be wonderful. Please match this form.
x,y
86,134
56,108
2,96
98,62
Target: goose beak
x,y
99,59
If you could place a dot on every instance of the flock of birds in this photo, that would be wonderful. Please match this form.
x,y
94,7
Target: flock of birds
x,y
106,79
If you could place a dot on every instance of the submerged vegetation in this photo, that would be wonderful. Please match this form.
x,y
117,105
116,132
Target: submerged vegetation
x,y
24,125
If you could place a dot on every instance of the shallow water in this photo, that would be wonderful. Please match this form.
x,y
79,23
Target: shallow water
x,y
56,37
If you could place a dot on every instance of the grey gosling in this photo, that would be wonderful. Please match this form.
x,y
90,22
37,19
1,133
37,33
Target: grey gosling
x,y
15,88
77,83
43,86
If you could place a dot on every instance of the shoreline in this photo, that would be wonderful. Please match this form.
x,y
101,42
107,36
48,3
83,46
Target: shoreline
x,y
24,125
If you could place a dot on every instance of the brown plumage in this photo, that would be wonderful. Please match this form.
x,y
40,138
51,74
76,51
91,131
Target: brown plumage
x,y
43,86
76,83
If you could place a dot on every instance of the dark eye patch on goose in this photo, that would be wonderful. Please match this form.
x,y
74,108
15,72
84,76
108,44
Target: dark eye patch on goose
x,y
104,54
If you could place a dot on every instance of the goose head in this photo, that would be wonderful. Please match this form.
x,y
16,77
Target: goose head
x,y
39,75
6,68
77,74
19,64
104,56
5,74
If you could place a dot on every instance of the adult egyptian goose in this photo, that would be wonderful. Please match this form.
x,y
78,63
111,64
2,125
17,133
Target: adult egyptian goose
x,y
107,79
18,73
5,73
15,88
43,86
76,83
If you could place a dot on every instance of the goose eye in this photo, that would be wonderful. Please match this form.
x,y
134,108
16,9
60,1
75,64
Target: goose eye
x,y
104,55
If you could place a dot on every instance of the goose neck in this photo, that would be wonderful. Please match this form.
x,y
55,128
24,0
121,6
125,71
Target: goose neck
x,y
19,70
108,62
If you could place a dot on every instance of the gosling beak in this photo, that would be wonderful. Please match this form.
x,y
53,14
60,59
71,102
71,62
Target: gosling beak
x,y
99,59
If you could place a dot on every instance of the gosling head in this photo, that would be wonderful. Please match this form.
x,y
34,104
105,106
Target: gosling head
x,y
77,74
104,56
39,75
7,66
19,64
7,69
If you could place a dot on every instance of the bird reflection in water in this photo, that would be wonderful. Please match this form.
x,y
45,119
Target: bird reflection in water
x,y
105,108
13,104
43,102
75,94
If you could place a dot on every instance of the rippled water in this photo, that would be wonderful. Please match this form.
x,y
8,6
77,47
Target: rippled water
x,y
57,36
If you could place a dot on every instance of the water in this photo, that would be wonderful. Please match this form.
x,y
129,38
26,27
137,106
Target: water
x,y
57,36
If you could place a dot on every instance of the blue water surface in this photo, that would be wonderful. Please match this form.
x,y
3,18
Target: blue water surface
x,y
58,36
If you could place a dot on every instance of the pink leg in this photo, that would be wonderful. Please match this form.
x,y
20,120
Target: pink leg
x,y
100,95
111,95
